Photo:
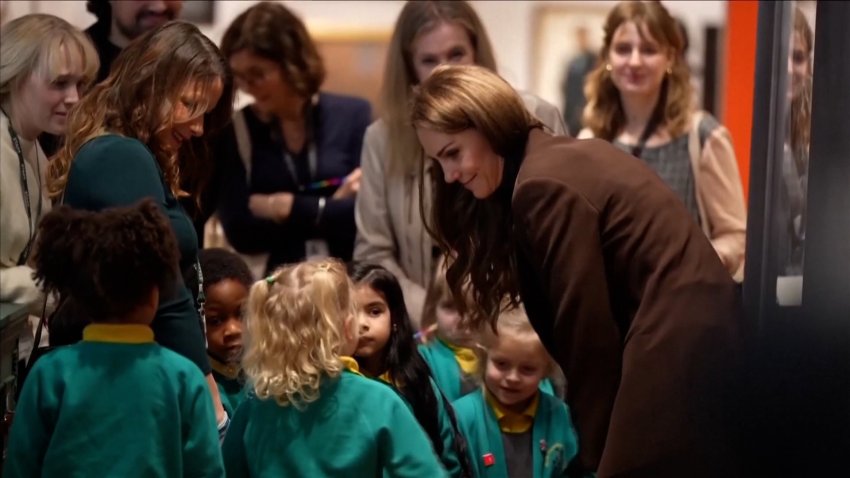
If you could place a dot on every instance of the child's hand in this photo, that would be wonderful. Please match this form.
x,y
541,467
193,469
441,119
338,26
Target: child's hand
x,y
426,335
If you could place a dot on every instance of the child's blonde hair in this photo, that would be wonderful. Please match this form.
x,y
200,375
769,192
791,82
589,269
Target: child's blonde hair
x,y
511,321
298,320
438,292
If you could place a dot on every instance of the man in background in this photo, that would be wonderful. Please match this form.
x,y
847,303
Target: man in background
x,y
572,85
121,21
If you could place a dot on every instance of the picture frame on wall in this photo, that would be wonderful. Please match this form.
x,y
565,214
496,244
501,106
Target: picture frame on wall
x,y
199,12
560,31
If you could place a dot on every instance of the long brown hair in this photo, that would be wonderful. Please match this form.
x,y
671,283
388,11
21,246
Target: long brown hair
x,y
478,232
604,113
136,100
415,19
800,114
273,32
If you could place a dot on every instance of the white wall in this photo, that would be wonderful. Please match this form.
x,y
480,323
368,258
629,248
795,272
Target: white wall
x,y
509,23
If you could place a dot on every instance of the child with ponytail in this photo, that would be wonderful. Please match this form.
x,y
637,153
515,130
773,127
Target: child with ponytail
x,y
310,412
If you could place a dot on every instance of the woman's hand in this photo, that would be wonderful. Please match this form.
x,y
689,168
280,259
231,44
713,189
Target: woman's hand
x,y
274,207
350,185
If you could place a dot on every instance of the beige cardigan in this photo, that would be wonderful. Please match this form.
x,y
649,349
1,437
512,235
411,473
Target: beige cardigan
x,y
390,230
719,193
16,282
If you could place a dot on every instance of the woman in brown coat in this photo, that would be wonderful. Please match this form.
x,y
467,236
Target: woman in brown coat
x,y
620,283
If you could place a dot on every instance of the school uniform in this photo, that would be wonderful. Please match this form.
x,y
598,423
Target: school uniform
x,y
115,404
449,457
452,367
231,384
538,443
357,427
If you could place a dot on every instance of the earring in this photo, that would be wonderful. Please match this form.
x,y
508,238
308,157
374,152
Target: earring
x,y
608,67
669,70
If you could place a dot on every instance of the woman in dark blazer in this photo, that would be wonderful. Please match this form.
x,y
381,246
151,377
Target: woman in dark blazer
x,y
289,167
623,288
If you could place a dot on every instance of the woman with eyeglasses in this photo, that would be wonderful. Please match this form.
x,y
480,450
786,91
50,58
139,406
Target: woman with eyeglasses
x,y
289,167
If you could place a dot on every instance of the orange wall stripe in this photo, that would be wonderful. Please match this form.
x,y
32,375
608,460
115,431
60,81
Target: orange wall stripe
x,y
739,80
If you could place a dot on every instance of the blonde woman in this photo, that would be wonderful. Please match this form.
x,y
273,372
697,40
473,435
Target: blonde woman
x,y
142,133
311,412
46,66
389,228
639,97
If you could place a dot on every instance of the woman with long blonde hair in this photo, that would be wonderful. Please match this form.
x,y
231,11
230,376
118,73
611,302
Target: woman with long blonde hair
x,y
389,227
141,133
639,97
47,64
311,412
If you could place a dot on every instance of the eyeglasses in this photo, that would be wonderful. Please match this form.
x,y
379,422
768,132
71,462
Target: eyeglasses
x,y
253,77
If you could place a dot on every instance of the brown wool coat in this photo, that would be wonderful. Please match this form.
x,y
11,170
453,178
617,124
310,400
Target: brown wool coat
x,y
630,298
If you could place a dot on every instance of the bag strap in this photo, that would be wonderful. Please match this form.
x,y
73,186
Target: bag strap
x,y
243,142
695,152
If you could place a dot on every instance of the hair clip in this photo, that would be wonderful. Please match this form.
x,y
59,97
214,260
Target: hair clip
x,y
271,279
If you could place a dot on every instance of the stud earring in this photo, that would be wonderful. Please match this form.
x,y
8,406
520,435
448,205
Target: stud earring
x,y
669,70
608,67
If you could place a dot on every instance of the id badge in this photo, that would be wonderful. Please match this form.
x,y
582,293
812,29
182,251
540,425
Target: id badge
x,y
316,249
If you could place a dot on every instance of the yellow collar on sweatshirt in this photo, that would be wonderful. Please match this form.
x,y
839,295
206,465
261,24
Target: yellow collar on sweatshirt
x,y
512,422
230,371
118,333
466,358
351,365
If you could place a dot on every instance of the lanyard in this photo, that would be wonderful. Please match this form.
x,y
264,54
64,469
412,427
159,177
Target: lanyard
x,y
202,298
312,164
16,143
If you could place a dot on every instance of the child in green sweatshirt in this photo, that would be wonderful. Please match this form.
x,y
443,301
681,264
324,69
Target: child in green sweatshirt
x,y
116,403
226,280
310,412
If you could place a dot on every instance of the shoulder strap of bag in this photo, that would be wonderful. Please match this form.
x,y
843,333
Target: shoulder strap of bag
x,y
243,142
695,152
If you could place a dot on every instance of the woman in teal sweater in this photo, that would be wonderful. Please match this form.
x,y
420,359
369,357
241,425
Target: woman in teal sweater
x,y
67,422
166,91
313,413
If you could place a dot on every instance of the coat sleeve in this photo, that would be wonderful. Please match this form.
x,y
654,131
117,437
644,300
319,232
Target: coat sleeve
x,y
723,199
233,449
376,241
201,449
338,216
562,239
31,430
246,233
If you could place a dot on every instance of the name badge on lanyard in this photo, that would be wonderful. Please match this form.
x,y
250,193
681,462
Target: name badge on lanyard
x,y
314,249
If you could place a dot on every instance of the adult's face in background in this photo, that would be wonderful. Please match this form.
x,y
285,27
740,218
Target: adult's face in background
x,y
135,17
44,99
263,79
799,66
638,61
444,44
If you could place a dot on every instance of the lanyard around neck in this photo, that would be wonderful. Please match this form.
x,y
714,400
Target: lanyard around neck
x,y
16,143
312,164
